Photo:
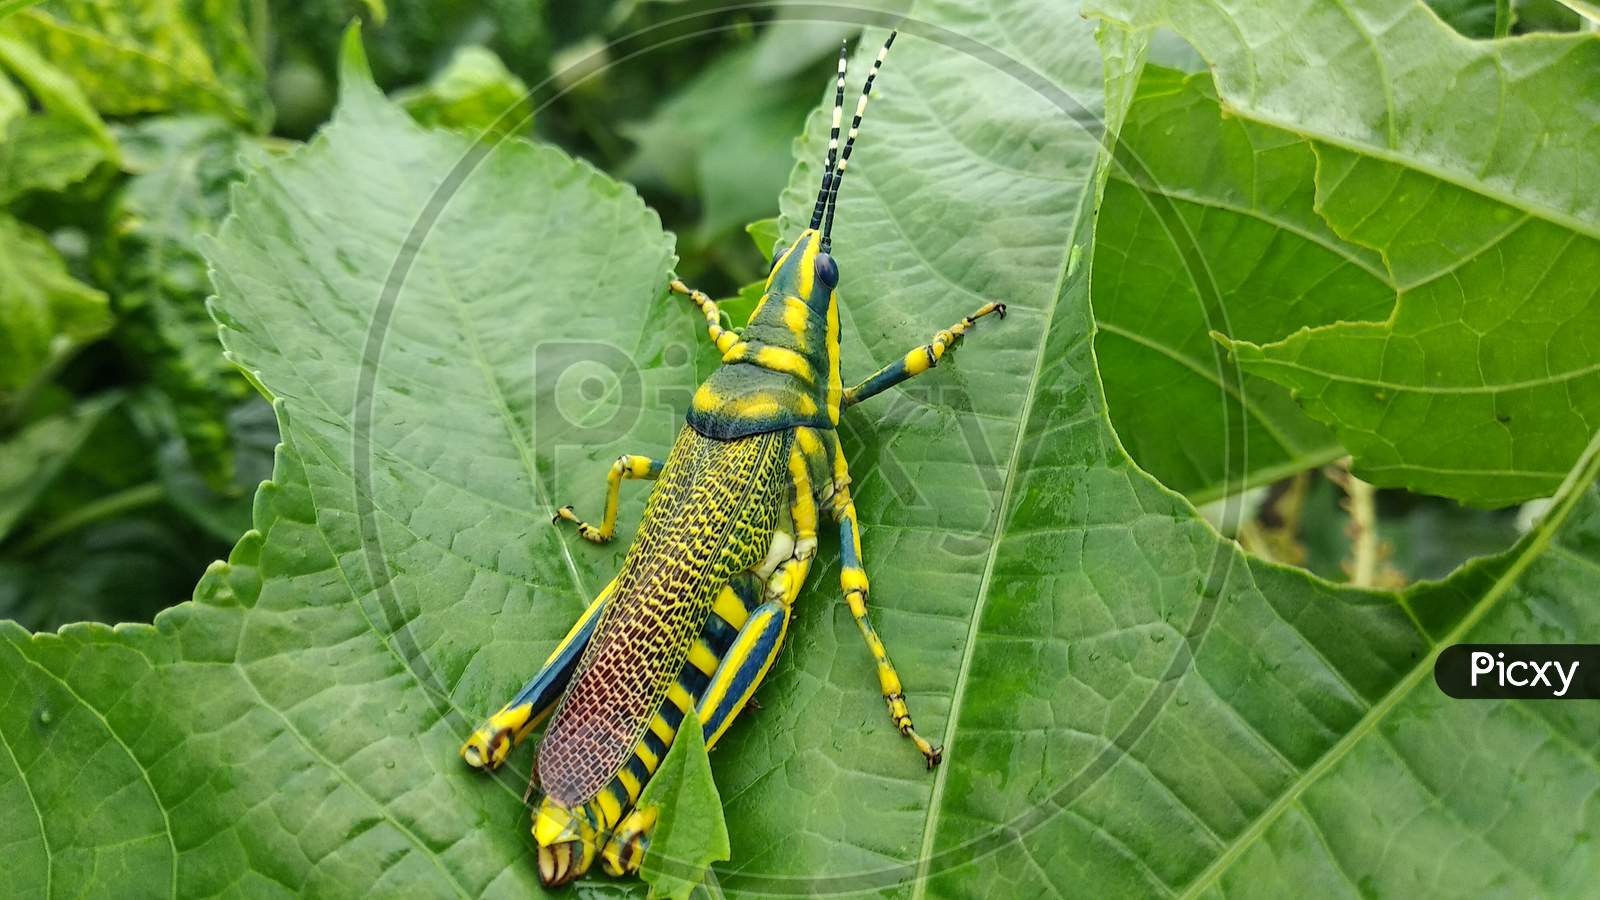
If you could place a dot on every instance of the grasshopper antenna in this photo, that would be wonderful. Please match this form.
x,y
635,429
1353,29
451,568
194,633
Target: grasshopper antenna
x,y
833,142
850,142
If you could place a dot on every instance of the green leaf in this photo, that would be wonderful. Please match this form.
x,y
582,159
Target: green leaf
x,y
152,56
57,146
690,833
12,102
93,538
1129,704
765,234
1473,18
45,313
182,171
31,459
1208,224
411,41
726,137
7,7
125,568
45,153
1481,386
475,93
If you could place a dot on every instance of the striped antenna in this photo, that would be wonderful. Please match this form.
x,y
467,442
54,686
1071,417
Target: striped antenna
x,y
833,142
850,142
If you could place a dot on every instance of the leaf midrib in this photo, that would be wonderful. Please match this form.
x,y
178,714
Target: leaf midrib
x,y
1583,476
144,773
1418,164
33,801
957,695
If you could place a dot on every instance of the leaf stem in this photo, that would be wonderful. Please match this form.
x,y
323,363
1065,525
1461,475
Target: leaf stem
x,y
1367,565
109,506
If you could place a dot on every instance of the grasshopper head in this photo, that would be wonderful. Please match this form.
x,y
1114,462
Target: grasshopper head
x,y
795,329
805,272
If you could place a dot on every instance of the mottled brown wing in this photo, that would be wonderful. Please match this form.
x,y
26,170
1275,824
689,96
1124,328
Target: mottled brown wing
x,y
710,516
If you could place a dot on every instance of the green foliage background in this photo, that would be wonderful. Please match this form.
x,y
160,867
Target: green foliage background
x,y
133,444
1148,705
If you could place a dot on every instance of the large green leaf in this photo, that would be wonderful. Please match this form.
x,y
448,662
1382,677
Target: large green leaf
x,y
1469,166
1129,704
1208,225
143,56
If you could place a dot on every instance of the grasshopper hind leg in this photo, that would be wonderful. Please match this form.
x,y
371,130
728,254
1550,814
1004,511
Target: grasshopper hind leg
x,y
624,853
767,604
492,742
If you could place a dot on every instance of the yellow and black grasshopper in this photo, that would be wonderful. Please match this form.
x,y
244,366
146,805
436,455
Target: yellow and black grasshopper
x,y
694,620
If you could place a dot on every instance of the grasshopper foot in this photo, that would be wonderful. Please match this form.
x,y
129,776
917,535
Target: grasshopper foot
x,y
624,853
902,720
565,839
585,530
489,746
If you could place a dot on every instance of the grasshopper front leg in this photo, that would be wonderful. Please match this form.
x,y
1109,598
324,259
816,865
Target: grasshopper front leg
x,y
919,359
724,338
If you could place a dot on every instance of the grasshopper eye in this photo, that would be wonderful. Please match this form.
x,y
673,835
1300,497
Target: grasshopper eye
x,y
827,271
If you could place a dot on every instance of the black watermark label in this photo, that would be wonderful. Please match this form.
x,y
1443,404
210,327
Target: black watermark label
x,y
1519,671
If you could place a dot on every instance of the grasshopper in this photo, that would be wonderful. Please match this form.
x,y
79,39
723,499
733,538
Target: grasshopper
x,y
693,622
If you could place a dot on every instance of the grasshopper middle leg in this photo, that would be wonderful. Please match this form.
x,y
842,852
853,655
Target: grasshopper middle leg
x,y
853,578
629,466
